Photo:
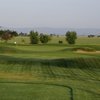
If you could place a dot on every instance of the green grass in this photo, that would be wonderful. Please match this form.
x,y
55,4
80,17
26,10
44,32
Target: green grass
x,y
49,72
48,51
22,91
57,76
88,41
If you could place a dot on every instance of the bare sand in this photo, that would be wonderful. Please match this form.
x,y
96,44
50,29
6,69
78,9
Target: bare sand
x,y
88,52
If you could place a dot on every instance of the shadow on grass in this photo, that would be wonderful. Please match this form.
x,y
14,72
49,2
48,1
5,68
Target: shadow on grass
x,y
47,66
82,63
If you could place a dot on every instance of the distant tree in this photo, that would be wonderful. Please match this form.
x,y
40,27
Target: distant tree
x,y
71,36
23,34
57,35
91,36
98,36
7,34
34,37
13,33
44,38
60,42
51,35
1,32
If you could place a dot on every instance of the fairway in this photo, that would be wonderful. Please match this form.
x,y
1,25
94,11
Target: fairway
x,y
30,91
49,50
49,72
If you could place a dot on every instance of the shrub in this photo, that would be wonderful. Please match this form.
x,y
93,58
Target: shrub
x,y
71,36
34,37
60,42
7,34
44,38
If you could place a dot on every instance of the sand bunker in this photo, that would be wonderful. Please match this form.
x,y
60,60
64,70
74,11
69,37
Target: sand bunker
x,y
88,52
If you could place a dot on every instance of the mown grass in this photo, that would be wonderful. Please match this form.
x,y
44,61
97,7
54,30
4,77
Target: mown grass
x,y
81,75
22,91
48,51
49,72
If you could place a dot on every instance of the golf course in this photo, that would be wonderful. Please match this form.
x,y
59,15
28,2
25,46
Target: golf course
x,y
52,71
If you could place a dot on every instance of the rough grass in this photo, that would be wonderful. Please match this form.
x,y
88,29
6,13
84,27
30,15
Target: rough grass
x,y
81,40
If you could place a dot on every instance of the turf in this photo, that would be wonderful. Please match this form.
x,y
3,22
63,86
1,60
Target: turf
x,y
22,91
49,72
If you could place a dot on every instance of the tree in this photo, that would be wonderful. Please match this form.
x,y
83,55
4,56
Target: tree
x,y
71,36
44,38
91,36
60,42
34,37
13,33
7,34
1,32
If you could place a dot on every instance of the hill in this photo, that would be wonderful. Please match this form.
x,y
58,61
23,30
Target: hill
x,y
62,31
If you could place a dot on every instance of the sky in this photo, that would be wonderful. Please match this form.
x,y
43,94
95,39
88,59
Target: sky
x,y
50,13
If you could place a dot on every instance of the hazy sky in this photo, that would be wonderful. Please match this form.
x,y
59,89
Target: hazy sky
x,y
50,13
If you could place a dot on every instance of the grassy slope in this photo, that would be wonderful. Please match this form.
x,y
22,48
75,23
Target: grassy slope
x,y
48,72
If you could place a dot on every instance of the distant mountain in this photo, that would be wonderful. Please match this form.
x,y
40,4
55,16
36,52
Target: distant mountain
x,y
61,31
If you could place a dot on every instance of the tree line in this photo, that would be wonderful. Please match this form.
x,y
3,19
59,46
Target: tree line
x,y
71,37
35,37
